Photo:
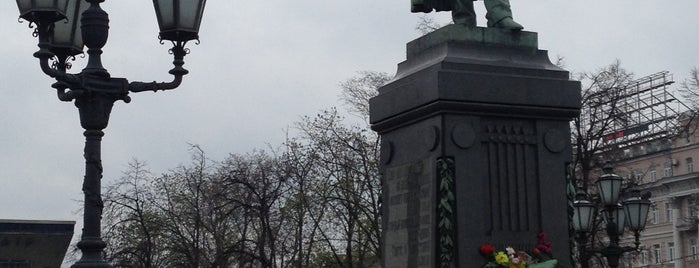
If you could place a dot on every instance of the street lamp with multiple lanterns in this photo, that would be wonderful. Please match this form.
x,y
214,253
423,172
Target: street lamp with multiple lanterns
x,y
630,213
63,28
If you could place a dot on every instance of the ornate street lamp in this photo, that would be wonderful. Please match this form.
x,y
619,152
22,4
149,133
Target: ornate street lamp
x,y
609,186
583,213
62,27
42,10
66,40
179,20
618,217
632,212
636,210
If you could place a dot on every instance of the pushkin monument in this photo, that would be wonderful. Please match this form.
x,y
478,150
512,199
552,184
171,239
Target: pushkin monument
x,y
499,12
475,144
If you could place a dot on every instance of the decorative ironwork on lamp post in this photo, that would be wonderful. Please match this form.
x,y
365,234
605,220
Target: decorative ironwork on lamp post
x,y
63,26
630,213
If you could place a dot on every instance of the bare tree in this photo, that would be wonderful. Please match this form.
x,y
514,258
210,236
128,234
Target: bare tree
x,y
560,61
181,197
133,229
347,160
426,24
357,91
262,187
314,204
601,95
304,206
689,88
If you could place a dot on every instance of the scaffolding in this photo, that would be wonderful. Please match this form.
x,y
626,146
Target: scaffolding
x,y
641,112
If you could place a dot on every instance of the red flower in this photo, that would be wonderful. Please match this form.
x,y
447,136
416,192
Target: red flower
x,y
487,250
544,244
537,252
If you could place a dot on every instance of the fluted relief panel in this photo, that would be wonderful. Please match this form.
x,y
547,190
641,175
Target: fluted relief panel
x,y
510,156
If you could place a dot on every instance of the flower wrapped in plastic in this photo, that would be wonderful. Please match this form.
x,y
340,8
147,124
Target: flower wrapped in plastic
x,y
540,257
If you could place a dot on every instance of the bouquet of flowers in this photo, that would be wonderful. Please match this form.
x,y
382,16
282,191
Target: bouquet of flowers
x,y
510,258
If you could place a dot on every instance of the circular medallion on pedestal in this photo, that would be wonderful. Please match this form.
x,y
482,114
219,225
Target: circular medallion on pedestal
x,y
431,138
463,135
386,152
555,141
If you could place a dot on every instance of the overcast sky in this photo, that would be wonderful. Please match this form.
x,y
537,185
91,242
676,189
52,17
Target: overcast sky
x,y
261,65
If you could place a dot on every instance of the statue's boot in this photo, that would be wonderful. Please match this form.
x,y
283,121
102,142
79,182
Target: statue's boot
x,y
462,12
500,15
508,23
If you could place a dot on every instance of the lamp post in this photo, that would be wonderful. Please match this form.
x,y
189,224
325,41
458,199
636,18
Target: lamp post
x,y
630,213
63,26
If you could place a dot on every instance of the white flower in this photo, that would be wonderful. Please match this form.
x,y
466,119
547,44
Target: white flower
x,y
515,260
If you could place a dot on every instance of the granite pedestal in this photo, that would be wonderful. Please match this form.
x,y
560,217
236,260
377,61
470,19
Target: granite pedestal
x,y
475,143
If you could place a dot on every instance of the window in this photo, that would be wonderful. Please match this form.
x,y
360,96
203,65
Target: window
x,y
693,250
643,257
690,165
667,170
656,254
669,215
624,175
671,251
653,174
654,214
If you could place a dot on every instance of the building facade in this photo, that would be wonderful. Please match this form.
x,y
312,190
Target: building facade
x,y
666,168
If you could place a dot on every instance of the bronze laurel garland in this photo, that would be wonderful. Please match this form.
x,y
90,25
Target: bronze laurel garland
x,y
445,169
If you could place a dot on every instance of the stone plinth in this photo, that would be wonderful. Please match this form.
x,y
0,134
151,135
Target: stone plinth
x,y
29,243
475,143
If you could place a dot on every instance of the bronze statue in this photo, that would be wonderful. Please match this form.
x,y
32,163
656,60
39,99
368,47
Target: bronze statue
x,y
499,13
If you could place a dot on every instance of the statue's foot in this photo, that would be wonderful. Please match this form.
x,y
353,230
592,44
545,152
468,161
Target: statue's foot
x,y
508,23
467,20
